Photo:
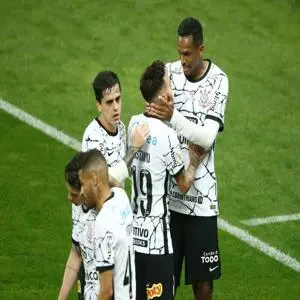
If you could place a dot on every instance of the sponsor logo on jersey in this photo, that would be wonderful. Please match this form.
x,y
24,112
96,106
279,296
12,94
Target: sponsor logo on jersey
x,y
154,291
181,138
142,232
142,156
180,196
210,257
140,242
91,275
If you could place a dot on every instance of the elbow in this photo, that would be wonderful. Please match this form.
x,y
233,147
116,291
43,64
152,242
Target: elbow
x,y
107,293
207,143
184,187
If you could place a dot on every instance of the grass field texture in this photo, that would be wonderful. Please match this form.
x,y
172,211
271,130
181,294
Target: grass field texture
x,y
49,54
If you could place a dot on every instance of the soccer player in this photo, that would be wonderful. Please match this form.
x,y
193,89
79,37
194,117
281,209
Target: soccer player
x,y
82,238
113,229
200,90
107,132
159,156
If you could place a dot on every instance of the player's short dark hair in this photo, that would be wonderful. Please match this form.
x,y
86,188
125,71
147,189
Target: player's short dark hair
x,y
71,171
93,158
191,26
104,80
152,80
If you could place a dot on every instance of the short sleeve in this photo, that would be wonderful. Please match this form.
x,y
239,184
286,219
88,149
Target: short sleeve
x,y
220,93
173,154
91,140
104,247
131,127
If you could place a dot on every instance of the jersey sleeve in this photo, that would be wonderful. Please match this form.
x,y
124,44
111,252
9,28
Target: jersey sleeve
x,y
131,127
105,243
173,154
91,140
220,94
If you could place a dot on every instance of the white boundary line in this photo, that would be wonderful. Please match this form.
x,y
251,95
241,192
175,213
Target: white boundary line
x,y
271,219
40,125
239,233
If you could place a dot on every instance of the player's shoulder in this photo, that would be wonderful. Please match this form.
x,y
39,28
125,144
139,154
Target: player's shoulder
x,y
121,126
92,127
136,119
216,70
174,67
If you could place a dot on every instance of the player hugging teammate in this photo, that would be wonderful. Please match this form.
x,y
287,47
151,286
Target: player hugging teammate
x,y
135,252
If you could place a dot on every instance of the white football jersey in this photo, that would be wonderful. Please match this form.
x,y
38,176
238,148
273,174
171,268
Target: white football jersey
x,y
111,145
83,236
113,244
197,101
160,156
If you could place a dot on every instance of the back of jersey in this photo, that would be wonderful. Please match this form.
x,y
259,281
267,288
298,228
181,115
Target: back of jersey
x,y
113,244
159,157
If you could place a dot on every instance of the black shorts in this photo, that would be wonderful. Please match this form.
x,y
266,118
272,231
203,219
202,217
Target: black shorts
x,y
195,239
154,276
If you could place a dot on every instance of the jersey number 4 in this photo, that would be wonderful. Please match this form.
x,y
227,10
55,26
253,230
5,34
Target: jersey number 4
x,y
128,275
138,186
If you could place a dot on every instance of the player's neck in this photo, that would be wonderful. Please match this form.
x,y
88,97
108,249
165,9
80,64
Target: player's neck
x,y
200,70
103,196
107,126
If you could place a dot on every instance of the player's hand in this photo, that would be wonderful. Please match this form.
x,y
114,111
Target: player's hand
x,y
196,154
163,110
140,134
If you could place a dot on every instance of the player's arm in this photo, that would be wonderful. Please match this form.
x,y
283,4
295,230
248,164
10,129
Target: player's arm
x,y
185,178
139,136
71,271
202,135
106,285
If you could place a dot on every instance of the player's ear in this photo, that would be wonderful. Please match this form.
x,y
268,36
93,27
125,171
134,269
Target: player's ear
x,y
201,50
99,106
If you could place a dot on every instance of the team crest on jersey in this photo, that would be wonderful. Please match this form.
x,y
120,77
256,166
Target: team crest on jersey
x,y
205,99
154,291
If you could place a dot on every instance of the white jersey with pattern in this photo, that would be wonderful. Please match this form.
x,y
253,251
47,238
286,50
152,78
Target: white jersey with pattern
x,y
111,145
83,236
159,156
113,244
197,101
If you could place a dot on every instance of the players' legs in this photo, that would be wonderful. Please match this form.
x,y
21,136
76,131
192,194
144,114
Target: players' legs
x,y
202,255
203,290
140,276
178,240
160,277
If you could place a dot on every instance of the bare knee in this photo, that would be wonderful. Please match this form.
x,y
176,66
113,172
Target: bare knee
x,y
203,290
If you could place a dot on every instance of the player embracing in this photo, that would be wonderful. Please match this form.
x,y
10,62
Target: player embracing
x,y
158,158
196,112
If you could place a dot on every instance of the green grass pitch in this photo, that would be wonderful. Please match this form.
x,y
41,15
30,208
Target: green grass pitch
x,y
49,53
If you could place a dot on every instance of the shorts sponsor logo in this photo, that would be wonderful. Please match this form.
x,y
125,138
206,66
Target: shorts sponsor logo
x,y
210,257
140,242
154,291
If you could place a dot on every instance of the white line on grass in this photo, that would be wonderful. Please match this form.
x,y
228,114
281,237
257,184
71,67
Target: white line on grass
x,y
272,219
223,224
40,125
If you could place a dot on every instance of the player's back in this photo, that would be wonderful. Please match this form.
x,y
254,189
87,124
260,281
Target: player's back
x,y
159,156
114,248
